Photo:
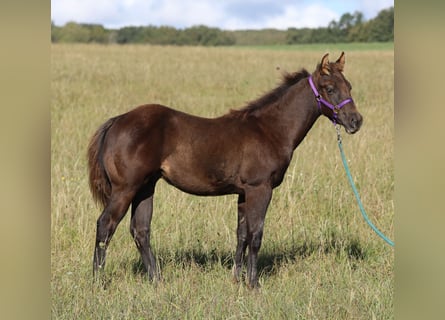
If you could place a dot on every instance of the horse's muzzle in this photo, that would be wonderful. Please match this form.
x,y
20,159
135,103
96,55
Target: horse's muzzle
x,y
353,123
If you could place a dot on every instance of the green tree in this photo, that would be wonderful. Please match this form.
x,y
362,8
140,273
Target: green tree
x,y
381,28
97,33
166,35
299,36
339,31
73,32
129,35
358,33
205,36
55,32
349,28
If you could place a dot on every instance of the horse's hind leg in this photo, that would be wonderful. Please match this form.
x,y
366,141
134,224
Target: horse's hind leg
x,y
141,213
107,224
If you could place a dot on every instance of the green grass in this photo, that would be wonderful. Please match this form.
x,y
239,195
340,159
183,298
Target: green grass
x,y
325,47
319,260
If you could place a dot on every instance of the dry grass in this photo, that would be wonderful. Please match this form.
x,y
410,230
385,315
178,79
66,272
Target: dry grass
x,y
318,261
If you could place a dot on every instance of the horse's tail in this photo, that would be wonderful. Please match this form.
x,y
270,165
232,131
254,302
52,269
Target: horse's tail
x,y
100,185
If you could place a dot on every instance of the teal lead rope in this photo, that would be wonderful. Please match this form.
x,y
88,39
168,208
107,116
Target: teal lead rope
x,y
351,181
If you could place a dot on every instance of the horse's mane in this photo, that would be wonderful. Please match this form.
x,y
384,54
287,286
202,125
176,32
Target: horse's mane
x,y
289,79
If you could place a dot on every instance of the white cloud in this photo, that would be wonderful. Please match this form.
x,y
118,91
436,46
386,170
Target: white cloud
x,y
118,13
183,14
371,8
96,11
228,14
311,16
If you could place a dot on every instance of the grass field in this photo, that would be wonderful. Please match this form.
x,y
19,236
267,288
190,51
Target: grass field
x,y
319,260
322,47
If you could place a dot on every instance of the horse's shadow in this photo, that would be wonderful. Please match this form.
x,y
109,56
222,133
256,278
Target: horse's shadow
x,y
270,260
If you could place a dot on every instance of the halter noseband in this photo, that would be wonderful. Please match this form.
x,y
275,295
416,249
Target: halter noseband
x,y
320,101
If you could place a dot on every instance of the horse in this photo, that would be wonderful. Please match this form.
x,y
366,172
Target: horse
x,y
245,152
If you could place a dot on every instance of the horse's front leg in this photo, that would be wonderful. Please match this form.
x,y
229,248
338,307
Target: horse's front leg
x,y
253,210
241,234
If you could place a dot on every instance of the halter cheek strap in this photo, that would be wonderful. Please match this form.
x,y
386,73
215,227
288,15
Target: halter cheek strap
x,y
320,101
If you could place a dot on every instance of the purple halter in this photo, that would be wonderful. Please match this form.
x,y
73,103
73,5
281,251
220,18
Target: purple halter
x,y
320,101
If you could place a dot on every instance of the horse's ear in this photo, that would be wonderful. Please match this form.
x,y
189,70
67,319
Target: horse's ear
x,y
341,62
324,66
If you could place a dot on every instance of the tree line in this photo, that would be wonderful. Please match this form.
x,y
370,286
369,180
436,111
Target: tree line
x,y
349,28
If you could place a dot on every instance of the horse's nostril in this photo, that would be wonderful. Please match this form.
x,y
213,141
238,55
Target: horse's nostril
x,y
354,122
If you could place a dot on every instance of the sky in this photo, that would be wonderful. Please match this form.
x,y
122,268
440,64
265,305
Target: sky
x,y
223,14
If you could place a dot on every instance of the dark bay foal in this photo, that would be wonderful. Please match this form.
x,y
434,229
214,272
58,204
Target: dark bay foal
x,y
244,152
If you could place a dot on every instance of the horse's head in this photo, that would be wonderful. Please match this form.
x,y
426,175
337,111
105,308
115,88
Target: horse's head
x,y
333,94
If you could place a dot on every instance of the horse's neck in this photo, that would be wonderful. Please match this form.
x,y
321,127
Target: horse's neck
x,y
296,115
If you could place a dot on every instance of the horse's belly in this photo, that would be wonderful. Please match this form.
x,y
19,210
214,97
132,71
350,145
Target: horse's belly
x,y
195,180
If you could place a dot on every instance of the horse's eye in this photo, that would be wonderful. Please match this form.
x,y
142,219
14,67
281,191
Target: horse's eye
x,y
330,90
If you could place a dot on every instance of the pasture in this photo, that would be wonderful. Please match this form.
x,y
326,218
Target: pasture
x,y
318,260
